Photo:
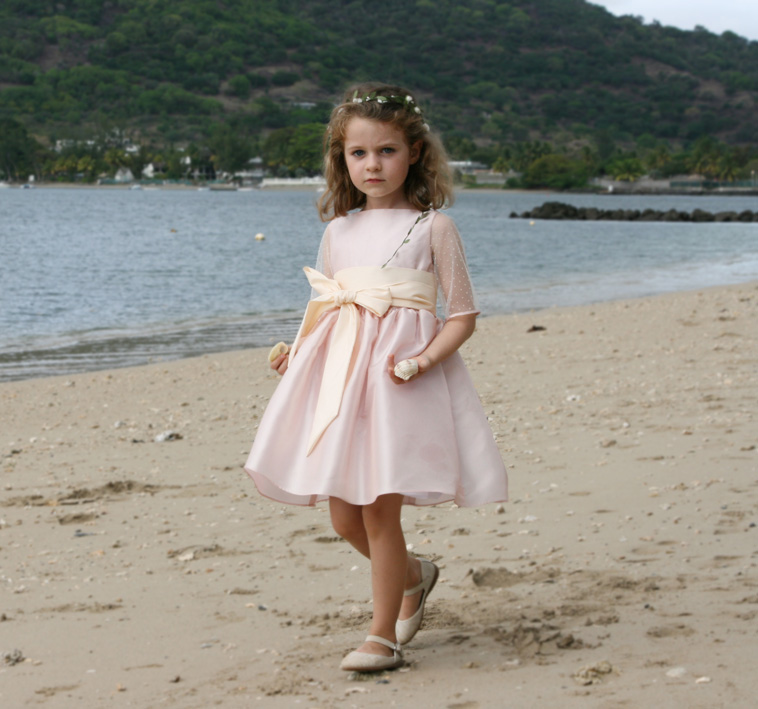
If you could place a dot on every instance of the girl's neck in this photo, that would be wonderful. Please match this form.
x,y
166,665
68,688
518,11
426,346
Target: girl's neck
x,y
381,204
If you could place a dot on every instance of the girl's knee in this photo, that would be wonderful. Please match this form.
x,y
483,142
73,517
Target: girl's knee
x,y
348,528
347,520
382,514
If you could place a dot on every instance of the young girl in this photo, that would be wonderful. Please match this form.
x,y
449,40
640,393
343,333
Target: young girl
x,y
347,426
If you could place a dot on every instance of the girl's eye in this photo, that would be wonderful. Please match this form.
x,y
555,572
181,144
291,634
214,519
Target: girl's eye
x,y
358,153
388,150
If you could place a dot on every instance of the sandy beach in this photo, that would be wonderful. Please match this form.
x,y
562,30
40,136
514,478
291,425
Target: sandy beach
x,y
140,568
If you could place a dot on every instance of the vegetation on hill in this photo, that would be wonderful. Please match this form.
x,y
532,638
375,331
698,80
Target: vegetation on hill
x,y
228,80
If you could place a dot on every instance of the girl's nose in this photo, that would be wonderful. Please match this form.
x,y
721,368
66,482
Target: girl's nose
x,y
373,162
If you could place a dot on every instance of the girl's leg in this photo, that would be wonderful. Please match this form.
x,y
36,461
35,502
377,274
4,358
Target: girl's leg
x,y
348,522
389,564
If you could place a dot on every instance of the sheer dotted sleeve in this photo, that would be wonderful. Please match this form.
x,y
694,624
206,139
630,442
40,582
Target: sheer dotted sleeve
x,y
451,269
323,260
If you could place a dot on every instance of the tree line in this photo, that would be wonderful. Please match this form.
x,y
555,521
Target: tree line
x,y
295,151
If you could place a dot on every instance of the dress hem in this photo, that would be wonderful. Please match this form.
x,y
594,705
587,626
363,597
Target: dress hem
x,y
409,498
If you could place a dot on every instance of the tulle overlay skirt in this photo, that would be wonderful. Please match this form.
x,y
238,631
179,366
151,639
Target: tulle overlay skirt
x,y
427,439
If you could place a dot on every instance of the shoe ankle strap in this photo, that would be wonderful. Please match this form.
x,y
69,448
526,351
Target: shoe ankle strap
x,y
396,647
410,591
420,585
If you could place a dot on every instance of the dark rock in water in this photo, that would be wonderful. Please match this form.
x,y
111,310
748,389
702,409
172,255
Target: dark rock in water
x,y
701,216
650,215
559,210
555,210
675,216
591,213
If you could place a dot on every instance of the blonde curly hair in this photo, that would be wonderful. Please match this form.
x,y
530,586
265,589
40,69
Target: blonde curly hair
x,y
429,182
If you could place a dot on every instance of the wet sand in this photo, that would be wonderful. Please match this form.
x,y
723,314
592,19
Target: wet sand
x,y
140,567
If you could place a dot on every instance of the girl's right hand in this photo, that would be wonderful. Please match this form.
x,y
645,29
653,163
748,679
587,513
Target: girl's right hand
x,y
281,363
278,357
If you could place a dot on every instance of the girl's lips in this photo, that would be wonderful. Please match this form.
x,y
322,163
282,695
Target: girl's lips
x,y
374,180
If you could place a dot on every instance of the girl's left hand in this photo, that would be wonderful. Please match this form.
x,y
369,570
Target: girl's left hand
x,y
424,365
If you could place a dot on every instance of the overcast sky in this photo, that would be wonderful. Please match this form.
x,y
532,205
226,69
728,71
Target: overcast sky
x,y
739,16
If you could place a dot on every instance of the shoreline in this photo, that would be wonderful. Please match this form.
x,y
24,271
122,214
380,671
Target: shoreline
x,y
142,568
485,189
80,347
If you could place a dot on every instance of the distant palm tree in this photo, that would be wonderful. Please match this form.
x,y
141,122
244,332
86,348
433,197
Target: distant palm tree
x,y
115,158
589,159
528,152
627,169
726,168
658,158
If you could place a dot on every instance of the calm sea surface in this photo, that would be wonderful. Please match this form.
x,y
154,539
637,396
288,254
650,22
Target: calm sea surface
x,y
100,278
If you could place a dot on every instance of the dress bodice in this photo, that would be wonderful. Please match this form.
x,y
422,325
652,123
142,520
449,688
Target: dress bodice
x,y
370,238
381,236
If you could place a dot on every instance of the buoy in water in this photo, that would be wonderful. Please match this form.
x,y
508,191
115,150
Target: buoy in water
x,y
259,237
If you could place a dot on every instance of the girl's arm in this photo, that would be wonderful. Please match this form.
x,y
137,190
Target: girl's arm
x,y
458,296
323,264
452,335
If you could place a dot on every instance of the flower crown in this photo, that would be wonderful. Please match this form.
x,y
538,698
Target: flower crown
x,y
406,102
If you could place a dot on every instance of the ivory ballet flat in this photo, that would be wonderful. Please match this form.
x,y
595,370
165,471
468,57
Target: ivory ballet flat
x,y
407,628
369,662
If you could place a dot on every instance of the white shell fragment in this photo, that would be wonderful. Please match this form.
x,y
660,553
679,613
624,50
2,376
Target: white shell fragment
x,y
406,369
168,436
593,674
279,348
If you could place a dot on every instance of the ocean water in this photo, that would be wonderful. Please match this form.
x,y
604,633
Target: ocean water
x,y
100,278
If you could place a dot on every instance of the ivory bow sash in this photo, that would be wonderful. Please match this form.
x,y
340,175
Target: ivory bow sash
x,y
370,287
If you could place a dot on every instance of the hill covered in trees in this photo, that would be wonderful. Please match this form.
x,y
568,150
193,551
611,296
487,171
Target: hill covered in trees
x,y
491,73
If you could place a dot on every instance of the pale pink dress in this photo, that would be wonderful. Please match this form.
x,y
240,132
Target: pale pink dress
x,y
428,438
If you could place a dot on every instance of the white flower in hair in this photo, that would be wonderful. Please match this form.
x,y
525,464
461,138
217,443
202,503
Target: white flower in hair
x,y
417,109
357,100
409,99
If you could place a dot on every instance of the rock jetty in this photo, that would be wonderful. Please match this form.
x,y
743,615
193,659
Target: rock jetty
x,y
559,210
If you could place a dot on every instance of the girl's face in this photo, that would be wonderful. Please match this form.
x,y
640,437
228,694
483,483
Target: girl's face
x,y
378,157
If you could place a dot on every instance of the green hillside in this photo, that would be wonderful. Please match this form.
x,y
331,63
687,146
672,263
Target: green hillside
x,y
489,72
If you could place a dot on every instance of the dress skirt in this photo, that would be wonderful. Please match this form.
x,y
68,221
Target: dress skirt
x,y
427,439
